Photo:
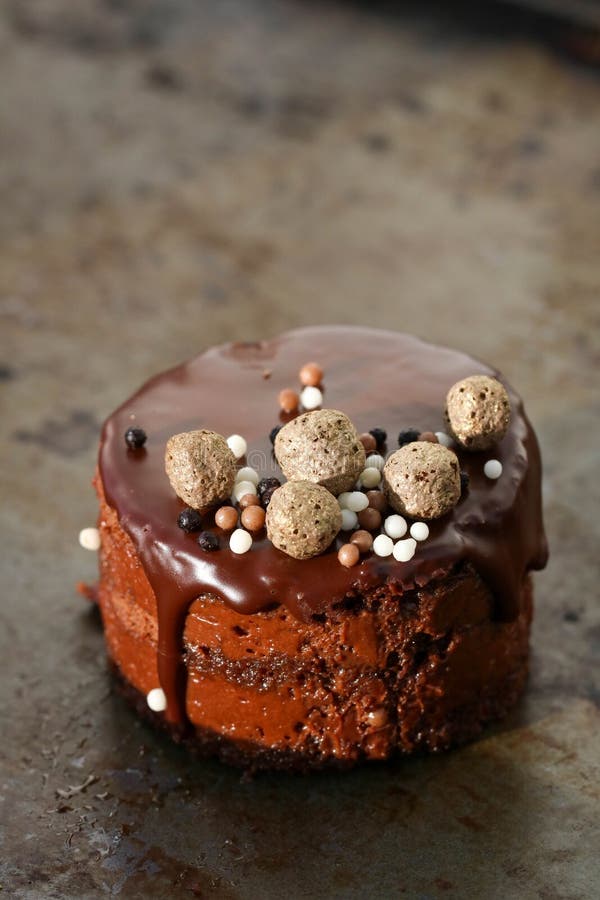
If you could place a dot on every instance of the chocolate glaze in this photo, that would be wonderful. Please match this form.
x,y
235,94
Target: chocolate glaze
x,y
378,378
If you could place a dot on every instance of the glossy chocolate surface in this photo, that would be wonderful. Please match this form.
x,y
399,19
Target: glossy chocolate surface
x,y
378,378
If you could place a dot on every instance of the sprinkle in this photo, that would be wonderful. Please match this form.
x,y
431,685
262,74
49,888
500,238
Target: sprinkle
x,y
349,520
370,519
363,540
156,700
237,445
240,541
395,526
368,442
429,437
208,541
405,550
383,545
375,461
348,555
243,487
311,374
249,500
253,518
135,438
464,481
89,538
377,500
370,477
493,469
288,400
343,499
247,473
419,531
226,518
311,398
380,435
444,439
407,436
355,501
189,520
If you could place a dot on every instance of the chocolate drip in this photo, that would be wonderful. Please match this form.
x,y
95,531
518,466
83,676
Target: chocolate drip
x,y
379,379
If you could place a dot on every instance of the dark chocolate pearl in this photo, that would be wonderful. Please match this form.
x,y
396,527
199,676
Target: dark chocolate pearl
x,y
266,485
208,541
464,481
407,436
135,438
380,435
189,520
274,432
266,496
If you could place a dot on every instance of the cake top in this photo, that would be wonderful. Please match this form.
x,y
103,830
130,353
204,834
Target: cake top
x,y
363,383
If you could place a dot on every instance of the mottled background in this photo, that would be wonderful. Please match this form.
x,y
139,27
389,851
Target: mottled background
x,y
175,173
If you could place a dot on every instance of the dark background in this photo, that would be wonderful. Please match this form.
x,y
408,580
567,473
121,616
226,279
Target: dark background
x,y
178,173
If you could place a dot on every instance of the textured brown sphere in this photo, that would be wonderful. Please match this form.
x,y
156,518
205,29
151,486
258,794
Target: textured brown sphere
x,y
302,519
478,412
311,374
200,467
323,447
348,555
226,518
253,518
422,480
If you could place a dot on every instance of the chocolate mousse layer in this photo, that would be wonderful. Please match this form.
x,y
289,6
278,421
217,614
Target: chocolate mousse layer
x,y
308,660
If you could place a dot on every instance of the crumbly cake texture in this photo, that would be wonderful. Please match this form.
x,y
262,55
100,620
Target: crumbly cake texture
x,y
380,631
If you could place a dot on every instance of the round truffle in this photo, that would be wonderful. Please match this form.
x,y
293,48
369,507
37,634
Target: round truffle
x,y
302,519
422,480
322,447
478,411
200,467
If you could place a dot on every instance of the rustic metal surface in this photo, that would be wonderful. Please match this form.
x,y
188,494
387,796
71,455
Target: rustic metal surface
x,y
174,174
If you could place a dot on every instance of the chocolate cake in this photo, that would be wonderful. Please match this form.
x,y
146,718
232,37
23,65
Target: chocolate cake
x,y
329,636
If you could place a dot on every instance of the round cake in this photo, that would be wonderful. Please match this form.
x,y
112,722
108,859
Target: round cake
x,y
315,550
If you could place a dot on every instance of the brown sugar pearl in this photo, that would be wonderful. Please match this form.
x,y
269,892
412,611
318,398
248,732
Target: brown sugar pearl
x,y
428,436
348,555
377,500
311,374
363,540
288,400
248,500
253,518
368,442
226,518
370,519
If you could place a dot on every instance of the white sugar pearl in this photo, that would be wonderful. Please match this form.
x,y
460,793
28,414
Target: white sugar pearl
x,y
349,520
444,438
343,499
243,487
395,526
493,469
370,477
420,531
311,398
237,445
375,461
383,545
156,700
247,473
357,501
89,538
240,541
405,550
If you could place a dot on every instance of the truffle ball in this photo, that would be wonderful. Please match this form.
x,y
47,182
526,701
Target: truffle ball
x,y
478,411
200,467
422,480
323,447
302,519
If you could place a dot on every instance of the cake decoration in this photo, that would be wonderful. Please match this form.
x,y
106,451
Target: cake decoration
x,y
303,518
478,411
240,541
207,540
444,438
419,531
311,374
189,520
226,518
322,447
274,432
266,487
253,518
408,436
200,467
405,550
377,500
368,442
380,435
428,436
492,469
395,526
349,519
348,555
369,518
370,477
288,400
311,398
464,481
242,488
422,480
156,700
383,545
135,438
247,473
353,500
363,540
89,538
238,445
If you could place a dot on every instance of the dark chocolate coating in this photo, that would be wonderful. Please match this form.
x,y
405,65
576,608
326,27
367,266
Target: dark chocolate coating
x,y
378,378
